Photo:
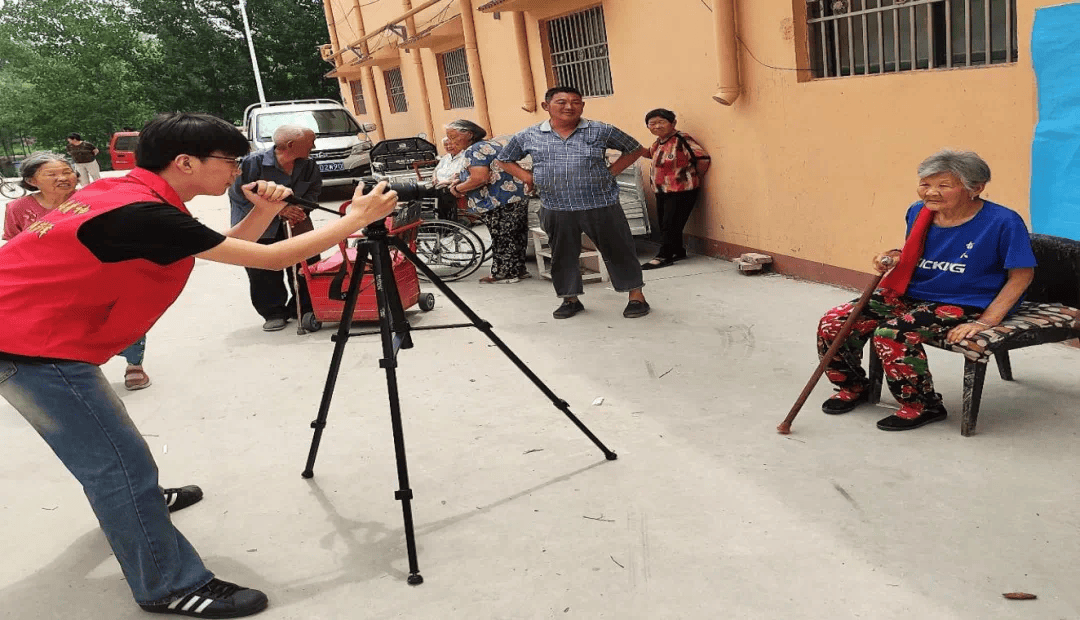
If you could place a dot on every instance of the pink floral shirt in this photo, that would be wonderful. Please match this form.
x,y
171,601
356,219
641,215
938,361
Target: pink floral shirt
x,y
21,213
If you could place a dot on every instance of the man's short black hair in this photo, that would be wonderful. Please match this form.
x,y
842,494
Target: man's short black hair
x,y
74,136
665,114
180,133
551,92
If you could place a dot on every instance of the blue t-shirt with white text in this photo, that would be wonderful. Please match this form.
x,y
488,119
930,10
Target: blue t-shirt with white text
x,y
968,264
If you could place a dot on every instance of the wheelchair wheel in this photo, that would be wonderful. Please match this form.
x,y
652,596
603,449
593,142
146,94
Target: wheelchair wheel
x,y
449,249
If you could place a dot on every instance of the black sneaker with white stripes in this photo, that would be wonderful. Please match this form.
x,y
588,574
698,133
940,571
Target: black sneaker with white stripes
x,y
217,599
178,499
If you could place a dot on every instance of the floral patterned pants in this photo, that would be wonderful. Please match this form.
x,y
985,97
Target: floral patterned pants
x,y
509,228
899,325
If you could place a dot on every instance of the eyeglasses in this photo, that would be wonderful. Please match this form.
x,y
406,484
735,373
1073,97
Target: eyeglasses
x,y
235,160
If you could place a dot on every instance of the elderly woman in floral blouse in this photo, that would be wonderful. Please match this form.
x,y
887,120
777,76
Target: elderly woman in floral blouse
x,y
499,199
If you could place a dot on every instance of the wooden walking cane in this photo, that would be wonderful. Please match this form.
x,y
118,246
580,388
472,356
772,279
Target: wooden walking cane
x,y
300,331
845,330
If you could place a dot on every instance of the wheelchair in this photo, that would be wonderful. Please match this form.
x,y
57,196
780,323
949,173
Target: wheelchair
x,y
448,247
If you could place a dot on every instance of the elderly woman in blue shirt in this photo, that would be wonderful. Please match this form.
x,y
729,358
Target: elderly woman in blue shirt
x,y
497,197
963,269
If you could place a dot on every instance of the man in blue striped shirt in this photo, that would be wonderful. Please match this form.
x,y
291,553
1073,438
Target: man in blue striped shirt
x,y
579,194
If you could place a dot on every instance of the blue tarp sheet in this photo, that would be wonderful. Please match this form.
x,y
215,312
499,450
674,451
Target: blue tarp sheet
x,y
1055,151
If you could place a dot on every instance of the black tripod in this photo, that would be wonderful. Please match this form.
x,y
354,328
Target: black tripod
x,y
395,330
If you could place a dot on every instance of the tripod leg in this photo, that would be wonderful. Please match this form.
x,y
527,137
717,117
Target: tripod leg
x,y
385,277
485,327
339,351
390,313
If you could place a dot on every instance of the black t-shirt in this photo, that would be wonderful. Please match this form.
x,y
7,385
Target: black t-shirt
x,y
158,232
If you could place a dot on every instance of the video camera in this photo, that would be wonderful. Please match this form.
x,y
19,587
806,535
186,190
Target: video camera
x,y
408,190
391,158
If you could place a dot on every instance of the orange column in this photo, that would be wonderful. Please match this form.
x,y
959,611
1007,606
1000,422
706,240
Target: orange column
x,y
410,23
371,96
335,46
476,74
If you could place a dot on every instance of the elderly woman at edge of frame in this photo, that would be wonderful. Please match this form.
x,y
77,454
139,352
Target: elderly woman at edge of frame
x,y
963,269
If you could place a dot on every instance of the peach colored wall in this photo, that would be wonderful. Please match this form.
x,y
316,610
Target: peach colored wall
x,y
820,170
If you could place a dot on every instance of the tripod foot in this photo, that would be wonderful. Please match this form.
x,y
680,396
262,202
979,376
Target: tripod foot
x,y
609,455
307,473
415,579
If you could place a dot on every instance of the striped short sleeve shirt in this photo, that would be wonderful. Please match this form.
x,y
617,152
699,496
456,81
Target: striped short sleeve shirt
x,y
571,174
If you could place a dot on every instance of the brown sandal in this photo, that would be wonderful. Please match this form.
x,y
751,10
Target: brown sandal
x,y
136,379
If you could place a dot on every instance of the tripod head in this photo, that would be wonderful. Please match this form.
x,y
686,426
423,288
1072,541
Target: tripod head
x,y
376,230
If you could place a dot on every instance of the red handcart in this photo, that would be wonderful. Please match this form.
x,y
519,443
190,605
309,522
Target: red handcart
x,y
320,276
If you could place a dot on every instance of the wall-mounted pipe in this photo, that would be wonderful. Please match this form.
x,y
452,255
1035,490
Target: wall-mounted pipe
x,y
727,52
410,24
476,74
527,86
371,96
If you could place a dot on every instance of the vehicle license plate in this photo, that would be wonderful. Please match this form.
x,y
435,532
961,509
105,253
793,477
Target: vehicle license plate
x,y
331,166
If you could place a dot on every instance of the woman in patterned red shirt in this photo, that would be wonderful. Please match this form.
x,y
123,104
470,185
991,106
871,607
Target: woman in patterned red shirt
x,y
678,168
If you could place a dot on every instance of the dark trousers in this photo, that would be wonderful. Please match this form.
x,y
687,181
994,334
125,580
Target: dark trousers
x,y
269,295
609,231
673,210
509,228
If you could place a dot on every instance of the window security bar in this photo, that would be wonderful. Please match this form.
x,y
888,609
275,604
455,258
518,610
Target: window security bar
x,y
579,52
456,73
864,37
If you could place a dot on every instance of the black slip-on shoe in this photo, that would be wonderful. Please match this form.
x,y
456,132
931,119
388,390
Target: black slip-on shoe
x,y
181,498
664,262
836,405
635,309
933,413
568,309
217,599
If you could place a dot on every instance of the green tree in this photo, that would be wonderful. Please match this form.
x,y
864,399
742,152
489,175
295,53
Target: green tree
x,y
204,57
74,67
96,66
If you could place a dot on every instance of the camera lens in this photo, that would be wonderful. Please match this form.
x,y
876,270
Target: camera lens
x,y
407,190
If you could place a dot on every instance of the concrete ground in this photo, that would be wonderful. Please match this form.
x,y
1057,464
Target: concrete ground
x,y
707,513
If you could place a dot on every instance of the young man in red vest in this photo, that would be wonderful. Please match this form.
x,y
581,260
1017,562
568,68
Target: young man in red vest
x,y
91,277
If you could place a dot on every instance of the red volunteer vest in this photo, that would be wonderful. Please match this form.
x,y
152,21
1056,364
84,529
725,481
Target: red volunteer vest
x,y
57,300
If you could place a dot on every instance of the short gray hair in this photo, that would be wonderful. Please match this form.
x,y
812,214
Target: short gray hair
x,y
284,133
971,169
35,161
475,132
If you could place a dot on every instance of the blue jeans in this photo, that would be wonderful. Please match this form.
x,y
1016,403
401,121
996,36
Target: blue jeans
x,y
134,354
76,411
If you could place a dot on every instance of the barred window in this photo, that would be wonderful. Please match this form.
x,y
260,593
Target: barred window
x,y
395,91
359,105
455,71
579,52
863,37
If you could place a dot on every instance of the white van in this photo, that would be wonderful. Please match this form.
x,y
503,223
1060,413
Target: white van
x,y
341,143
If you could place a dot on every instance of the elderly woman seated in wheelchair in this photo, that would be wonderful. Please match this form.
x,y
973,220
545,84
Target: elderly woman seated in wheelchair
x,y
964,268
